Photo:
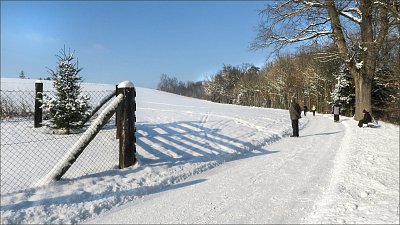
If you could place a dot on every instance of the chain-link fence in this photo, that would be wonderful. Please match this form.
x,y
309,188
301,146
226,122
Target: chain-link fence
x,y
28,153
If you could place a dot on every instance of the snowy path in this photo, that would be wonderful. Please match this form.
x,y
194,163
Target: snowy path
x,y
272,188
364,186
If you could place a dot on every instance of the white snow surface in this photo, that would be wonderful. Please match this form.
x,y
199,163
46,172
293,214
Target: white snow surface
x,y
202,162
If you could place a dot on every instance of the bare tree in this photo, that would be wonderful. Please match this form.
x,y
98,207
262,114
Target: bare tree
x,y
369,21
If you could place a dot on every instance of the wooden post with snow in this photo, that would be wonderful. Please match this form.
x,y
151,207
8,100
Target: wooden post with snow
x,y
126,125
38,104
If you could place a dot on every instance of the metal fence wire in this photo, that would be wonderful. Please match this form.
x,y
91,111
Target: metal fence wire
x,y
28,153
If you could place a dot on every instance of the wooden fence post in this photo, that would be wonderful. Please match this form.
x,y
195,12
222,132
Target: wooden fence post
x,y
38,104
126,121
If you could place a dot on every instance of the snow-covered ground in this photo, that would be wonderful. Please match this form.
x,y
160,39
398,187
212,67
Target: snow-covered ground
x,y
201,162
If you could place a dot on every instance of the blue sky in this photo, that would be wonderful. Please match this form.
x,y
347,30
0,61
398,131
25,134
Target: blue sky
x,y
129,40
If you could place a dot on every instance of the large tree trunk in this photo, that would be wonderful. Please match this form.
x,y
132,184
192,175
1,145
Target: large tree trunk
x,y
364,74
363,87
363,77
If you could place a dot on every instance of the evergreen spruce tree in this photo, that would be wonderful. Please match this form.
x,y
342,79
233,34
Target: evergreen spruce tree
x,y
344,92
67,109
22,75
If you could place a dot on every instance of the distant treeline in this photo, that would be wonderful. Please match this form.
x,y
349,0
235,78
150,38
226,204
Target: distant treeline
x,y
189,89
305,74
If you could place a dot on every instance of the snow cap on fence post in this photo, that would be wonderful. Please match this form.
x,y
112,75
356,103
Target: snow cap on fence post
x,y
126,84
120,86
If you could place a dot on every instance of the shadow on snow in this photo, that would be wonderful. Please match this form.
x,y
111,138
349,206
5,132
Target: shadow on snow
x,y
171,144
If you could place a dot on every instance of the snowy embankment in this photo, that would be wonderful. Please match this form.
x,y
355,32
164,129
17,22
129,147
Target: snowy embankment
x,y
201,162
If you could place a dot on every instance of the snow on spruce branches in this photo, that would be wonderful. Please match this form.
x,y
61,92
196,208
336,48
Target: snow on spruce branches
x,y
67,109
343,93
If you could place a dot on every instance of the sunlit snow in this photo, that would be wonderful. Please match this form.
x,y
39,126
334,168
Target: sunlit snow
x,y
202,162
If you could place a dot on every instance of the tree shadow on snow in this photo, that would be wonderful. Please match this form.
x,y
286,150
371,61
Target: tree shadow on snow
x,y
170,144
183,142
189,141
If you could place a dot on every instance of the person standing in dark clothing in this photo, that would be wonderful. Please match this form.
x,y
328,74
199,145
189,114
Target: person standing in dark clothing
x,y
305,110
336,112
367,118
295,115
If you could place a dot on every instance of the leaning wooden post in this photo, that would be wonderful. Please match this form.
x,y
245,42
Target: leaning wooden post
x,y
126,120
74,152
38,104
116,94
117,113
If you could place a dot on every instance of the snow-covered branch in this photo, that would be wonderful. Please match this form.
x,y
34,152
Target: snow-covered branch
x,y
351,17
316,34
313,4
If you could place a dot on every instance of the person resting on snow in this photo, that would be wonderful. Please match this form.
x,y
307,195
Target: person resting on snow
x,y
367,118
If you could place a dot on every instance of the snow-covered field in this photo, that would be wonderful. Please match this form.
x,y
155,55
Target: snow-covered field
x,y
202,162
